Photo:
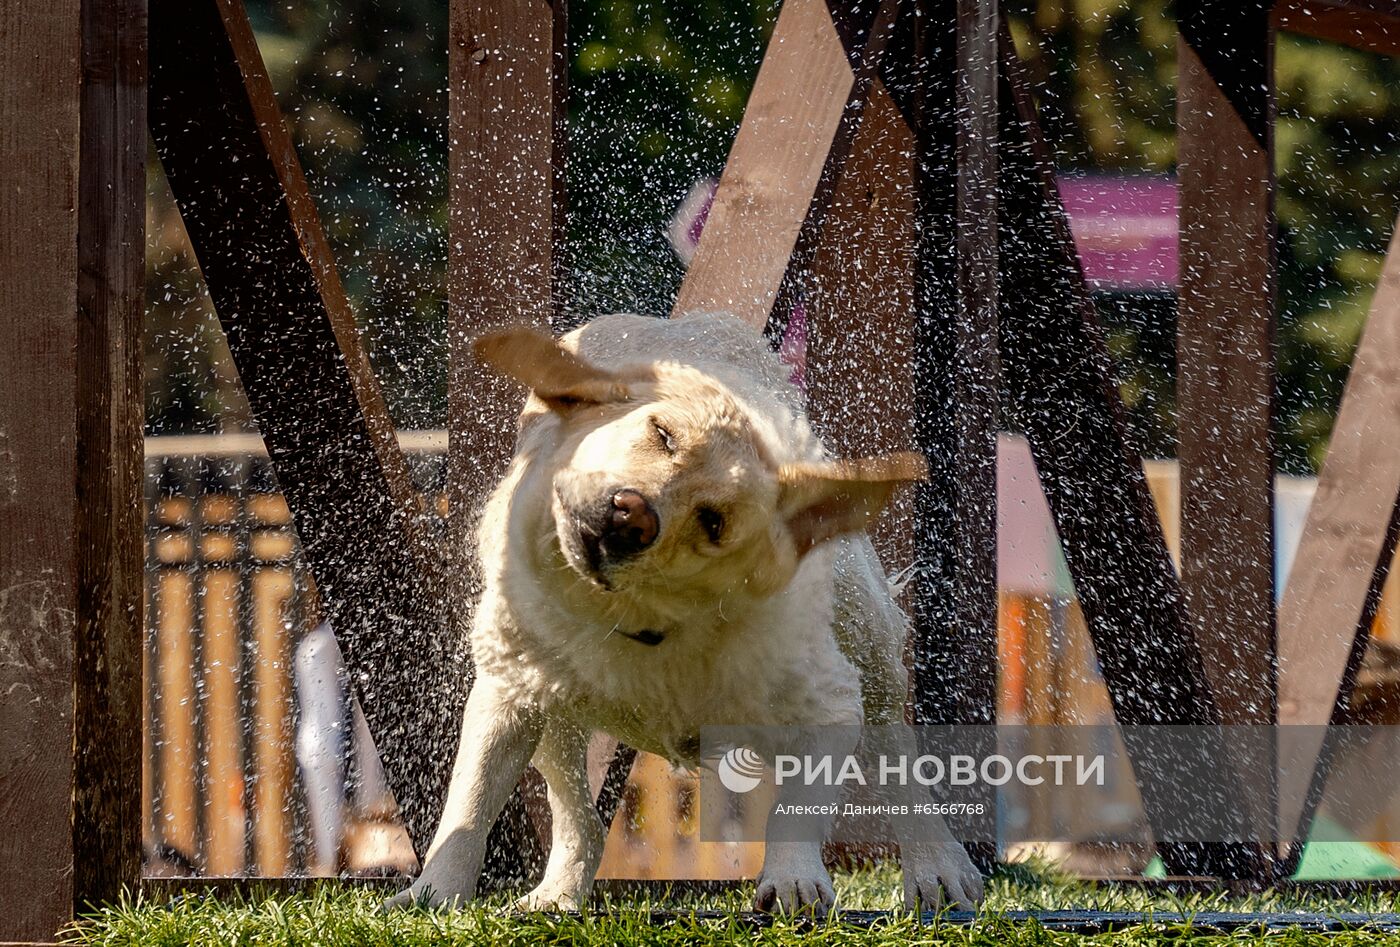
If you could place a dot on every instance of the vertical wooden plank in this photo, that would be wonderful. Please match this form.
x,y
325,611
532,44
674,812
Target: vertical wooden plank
x,y
222,750
176,654
39,109
223,548
273,762
956,375
167,514
148,729
1225,360
791,146
71,219
294,341
507,66
107,682
1225,351
1348,542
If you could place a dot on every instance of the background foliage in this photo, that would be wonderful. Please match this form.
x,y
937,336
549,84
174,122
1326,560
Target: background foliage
x,y
657,91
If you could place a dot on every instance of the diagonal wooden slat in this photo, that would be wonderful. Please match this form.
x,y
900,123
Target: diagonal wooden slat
x,y
235,175
1225,375
1346,550
797,128
1372,25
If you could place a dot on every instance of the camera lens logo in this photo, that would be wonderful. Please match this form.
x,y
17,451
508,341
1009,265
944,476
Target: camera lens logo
x,y
740,770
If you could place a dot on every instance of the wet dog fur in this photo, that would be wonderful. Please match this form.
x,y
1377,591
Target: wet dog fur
x,y
670,549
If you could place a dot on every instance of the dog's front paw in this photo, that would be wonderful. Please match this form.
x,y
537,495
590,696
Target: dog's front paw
x,y
789,892
423,894
550,898
945,876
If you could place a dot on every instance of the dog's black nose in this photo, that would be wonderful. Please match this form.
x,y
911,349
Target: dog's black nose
x,y
630,526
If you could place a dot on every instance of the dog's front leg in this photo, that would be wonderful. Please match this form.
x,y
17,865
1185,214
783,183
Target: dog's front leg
x,y
499,735
793,877
937,870
576,844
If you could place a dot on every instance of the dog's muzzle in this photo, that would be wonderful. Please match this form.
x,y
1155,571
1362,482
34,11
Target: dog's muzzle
x,y
626,526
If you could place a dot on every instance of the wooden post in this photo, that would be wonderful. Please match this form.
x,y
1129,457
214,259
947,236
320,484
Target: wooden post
x,y
1225,360
1225,349
72,93
234,172
507,65
858,305
953,99
107,681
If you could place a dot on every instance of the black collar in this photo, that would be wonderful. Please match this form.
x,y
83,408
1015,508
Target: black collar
x,y
646,636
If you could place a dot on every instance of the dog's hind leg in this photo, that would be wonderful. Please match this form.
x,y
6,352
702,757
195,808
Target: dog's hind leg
x,y
498,737
872,630
576,842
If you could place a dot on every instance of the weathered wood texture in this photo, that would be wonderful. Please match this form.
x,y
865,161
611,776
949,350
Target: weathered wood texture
x,y
71,271
796,133
1060,391
40,43
1349,537
1225,365
234,172
1372,25
507,65
859,311
108,534
953,100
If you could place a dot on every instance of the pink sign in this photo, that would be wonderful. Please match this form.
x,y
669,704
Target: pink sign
x,y
1125,229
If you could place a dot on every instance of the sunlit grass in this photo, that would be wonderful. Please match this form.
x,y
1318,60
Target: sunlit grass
x,y
335,914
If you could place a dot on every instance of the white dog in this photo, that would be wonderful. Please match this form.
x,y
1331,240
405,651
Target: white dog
x,y
670,549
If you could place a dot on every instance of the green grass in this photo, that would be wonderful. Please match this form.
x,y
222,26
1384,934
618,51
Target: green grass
x,y
335,914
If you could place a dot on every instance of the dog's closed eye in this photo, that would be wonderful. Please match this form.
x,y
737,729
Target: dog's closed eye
x,y
668,442
712,522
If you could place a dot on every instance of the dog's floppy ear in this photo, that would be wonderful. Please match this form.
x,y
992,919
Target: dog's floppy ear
x,y
823,500
561,379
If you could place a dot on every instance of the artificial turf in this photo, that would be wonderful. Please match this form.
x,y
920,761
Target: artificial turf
x,y
336,914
